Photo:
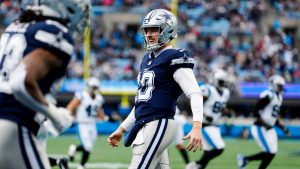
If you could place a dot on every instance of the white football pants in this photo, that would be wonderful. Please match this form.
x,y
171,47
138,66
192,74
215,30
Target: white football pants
x,y
19,149
149,149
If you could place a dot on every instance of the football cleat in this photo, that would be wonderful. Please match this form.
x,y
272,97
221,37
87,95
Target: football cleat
x,y
63,163
192,165
241,161
80,166
72,151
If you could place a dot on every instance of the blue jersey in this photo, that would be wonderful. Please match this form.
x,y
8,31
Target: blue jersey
x,y
158,91
18,40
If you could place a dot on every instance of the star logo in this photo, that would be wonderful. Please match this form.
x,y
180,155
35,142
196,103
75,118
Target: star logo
x,y
150,16
166,16
185,58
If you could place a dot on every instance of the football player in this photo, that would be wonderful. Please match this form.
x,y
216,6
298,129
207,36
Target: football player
x,y
164,73
266,111
34,52
180,120
47,128
89,109
215,95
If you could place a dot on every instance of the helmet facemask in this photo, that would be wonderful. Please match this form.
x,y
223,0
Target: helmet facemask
x,y
220,79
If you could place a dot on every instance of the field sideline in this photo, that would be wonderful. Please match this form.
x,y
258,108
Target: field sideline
x,y
105,157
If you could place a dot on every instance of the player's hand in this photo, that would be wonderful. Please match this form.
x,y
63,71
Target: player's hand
x,y
115,138
60,117
195,136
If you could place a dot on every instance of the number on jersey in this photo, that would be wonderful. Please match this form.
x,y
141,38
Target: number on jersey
x,y
11,53
146,83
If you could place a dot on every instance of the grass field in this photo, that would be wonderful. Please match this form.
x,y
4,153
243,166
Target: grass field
x,y
105,157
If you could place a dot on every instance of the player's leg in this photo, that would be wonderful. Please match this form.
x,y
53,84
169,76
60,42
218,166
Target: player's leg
x,y
178,138
151,143
62,163
213,145
82,133
267,140
163,162
20,149
87,134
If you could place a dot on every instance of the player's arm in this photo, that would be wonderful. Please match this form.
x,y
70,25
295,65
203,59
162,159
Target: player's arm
x,y
101,114
261,103
24,85
126,125
283,128
188,83
72,105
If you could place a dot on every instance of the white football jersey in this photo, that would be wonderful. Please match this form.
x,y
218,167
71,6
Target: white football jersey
x,y
215,102
270,112
87,110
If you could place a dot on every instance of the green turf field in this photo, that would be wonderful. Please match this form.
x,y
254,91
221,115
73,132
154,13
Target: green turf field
x,y
105,157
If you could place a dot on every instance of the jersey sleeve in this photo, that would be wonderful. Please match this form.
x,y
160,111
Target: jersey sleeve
x,y
227,94
181,59
51,36
266,93
101,99
204,90
78,95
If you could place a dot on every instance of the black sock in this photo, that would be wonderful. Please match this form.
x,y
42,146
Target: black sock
x,y
79,148
85,157
207,156
184,155
258,156
53,161
266,161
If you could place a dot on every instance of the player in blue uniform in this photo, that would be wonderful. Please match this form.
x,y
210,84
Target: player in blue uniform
x,y
266,111
34,52
164,73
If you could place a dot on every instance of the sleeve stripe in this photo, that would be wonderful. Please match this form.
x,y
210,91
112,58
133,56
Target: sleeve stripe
x,y
182,60
51,39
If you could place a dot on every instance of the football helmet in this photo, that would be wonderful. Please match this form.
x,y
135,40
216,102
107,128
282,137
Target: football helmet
x,y
166,22
276,82
220,78
92,83
73,12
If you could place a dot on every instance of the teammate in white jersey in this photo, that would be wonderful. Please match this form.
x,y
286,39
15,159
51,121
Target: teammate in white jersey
x,y
266,111
216,95
89,109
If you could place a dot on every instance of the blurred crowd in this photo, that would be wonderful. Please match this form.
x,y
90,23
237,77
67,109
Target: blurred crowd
x,y
220,33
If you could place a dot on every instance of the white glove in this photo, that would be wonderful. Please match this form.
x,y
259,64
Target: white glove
x,y
60,117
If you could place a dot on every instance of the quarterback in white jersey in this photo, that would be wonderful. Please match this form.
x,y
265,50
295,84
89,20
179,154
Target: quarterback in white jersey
x,y
89,110
266,111
215,95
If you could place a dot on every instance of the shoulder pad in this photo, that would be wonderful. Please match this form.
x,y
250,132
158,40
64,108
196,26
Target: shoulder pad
x,y
78,95
52,35
180,58
267,93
